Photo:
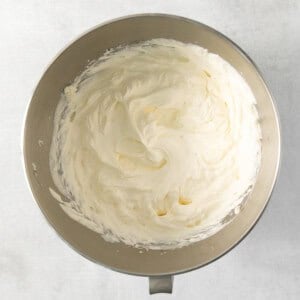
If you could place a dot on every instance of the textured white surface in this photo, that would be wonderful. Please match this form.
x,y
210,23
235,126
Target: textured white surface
x,y
36,264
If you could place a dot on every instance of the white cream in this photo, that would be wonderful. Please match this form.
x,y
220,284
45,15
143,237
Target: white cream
x,y
155,143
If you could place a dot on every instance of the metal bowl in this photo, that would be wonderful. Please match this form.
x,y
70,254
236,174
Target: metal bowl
x,y
38,133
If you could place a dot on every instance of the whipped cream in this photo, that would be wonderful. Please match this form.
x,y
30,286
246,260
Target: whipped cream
x,y
155,144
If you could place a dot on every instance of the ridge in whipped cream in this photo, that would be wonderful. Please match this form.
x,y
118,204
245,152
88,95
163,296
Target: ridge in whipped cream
x,y
155,144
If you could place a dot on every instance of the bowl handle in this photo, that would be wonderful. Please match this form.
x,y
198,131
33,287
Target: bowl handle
x,y
161,284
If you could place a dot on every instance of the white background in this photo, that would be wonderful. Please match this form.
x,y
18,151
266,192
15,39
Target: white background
x,y
36,264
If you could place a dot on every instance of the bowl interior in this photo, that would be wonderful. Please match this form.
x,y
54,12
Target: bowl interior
x,y
39,127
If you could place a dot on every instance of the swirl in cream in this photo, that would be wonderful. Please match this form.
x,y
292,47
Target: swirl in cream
x,y
155,143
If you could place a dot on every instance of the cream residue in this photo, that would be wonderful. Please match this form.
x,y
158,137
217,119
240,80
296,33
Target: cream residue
x,y
155,144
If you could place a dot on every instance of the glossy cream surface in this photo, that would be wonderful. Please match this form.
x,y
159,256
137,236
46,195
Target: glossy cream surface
x,y
155,143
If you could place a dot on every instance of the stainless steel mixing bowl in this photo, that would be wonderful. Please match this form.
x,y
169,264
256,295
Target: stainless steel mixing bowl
x,y
38,133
